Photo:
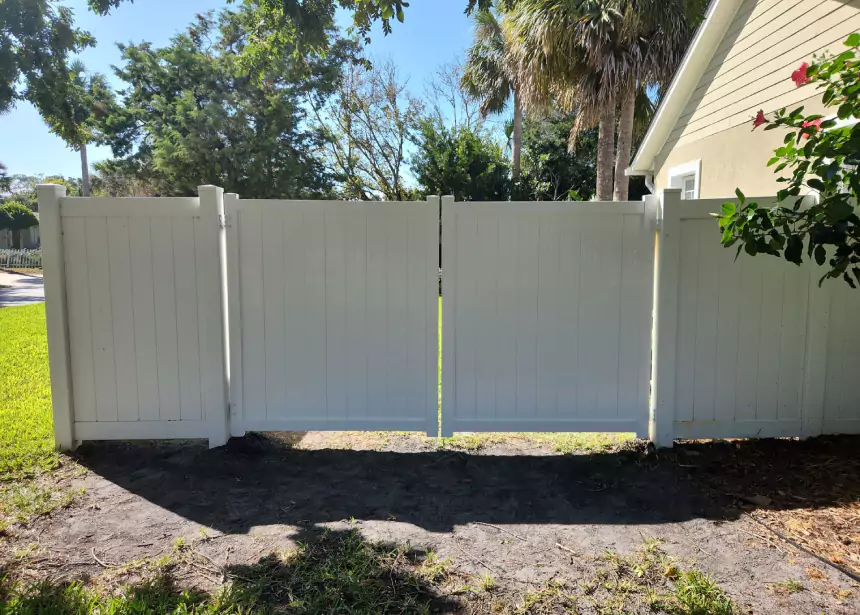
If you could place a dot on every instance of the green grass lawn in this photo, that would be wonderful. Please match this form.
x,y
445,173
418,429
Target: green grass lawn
x,y
26,438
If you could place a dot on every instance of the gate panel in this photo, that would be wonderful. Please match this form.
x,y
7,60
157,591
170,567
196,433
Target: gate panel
x,y
334,326
547,316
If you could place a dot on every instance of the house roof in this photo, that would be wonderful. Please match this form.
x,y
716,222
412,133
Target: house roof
x,y
702,48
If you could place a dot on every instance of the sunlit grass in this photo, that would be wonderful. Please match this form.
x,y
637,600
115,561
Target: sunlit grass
x,y
26,437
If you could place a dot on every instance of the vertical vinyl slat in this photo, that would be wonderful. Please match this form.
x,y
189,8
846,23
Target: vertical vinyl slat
x,y
527,313
80,327
749,342
634,294
253,315
834,388
336,306
416,313
728,316
590,298
295,329
377,309
486,333
465,312
315,266
356,315
611,231
706,323
506,344
143,297
274,296
569,311
123,318
687,308
396,326
770,330
549,324
98,268
190,398
793,344
164,285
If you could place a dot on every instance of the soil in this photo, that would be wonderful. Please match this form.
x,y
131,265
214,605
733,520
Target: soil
x,y
515,510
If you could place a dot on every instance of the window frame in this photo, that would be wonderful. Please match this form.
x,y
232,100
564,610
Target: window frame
x,y
679,173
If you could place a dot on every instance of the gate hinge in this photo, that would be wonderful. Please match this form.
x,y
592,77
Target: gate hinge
x,y
222,221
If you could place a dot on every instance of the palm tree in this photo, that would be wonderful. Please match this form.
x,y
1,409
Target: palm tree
x,y
72,110
490,76
592,56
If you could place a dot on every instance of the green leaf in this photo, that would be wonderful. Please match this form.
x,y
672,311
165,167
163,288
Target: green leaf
x,y
853,40
741,197
820,254
750,248
815,184
794,250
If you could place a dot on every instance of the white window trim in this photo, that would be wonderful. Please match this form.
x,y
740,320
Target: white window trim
x,y
694,168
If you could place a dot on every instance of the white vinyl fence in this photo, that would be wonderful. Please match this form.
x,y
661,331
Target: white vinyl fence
x,y
20,259
334,309
547,316
212,316
134,310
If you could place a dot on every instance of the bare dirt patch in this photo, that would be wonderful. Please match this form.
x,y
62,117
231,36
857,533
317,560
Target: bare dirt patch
x,y
534,524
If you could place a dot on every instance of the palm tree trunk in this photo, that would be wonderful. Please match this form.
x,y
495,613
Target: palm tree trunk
x,y
605,151
85,171
625,142
518,135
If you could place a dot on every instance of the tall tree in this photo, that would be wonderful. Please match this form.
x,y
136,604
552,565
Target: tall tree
x,y
194,114
490,75
369,125
75,111
590,56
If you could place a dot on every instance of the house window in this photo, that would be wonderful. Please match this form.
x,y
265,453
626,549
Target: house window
x,y
686,177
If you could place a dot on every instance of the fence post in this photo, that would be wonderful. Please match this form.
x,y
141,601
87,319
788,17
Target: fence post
x,y
234,307
217,408
449,285
665,323
56,313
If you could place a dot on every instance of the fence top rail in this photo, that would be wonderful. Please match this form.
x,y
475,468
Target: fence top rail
x,y
572,207
289,206
139,207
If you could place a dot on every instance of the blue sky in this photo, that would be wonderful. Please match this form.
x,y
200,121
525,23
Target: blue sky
x,y
435,32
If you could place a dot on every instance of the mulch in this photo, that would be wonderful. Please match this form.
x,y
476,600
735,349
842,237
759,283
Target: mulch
x,y
807,491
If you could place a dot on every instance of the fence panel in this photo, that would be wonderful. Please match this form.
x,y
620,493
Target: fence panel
x,y
334,315
762,351
547,316
142,284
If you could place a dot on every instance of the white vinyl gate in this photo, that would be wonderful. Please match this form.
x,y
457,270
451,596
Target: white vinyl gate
x,y
334,314
546,316
212,316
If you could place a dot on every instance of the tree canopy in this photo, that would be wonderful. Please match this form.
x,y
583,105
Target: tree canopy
x,y
192,114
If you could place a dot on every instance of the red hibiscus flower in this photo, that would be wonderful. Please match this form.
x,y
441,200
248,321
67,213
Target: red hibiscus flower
x,y
799,76
759,119
815,123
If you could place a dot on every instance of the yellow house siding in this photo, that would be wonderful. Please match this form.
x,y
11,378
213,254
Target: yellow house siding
x,y
733,158
752,67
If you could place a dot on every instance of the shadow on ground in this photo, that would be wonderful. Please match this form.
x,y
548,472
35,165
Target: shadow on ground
x,y
332,571
260,481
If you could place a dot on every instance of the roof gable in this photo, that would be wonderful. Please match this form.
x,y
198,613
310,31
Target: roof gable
x,y
698,56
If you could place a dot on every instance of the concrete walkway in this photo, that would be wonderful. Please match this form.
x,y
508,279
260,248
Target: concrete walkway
x,y
18,289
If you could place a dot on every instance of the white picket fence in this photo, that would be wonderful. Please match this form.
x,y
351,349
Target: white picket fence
x,y
20,258
212,316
